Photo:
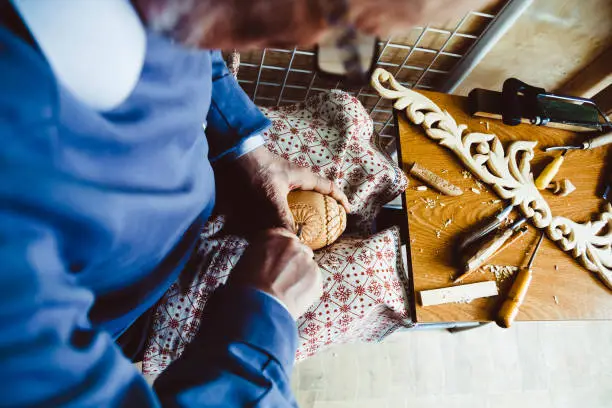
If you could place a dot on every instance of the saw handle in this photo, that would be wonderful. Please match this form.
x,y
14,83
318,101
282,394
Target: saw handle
x,y
516,296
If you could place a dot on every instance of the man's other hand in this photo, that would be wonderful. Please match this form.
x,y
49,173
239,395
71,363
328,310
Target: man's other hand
x,y
277,263
269,179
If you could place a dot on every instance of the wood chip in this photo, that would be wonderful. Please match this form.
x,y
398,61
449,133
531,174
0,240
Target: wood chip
x,y
556,267
421,188
438,233
442,205
466,174
475,190
443,171
429,202
487,125
448,222
556,300
501,272
479,184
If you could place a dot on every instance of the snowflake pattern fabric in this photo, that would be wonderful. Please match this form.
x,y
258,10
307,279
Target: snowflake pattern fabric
x,y
364,295
331,133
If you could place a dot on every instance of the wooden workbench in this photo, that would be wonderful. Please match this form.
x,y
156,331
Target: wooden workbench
x,y
562,289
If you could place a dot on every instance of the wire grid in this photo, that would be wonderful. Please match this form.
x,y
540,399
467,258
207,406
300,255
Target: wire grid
x,y
419,60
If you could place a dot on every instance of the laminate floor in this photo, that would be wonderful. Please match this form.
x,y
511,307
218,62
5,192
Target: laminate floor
x,y
543,365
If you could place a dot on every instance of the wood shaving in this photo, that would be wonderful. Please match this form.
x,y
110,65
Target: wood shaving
x,y
479,184
556,300
438,233
556,267
429,202
495,201
501,272
475,190
443,171
487,126
442,205
421,188
448,222
466,174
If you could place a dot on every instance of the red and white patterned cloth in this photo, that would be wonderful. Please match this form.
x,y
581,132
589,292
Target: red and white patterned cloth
x,y
331,134
364,295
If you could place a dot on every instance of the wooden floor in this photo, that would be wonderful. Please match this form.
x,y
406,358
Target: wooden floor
x,y
543,365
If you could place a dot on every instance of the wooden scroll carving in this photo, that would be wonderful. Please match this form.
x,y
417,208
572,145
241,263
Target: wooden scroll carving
x,y
508,172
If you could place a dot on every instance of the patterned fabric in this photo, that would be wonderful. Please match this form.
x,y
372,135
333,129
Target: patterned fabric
x,y
331,133
177,316
364,295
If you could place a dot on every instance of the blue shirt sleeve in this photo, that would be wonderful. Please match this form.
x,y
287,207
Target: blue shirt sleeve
x,y
232,117
52,356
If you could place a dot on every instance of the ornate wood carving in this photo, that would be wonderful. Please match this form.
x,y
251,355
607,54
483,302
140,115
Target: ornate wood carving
x,y
508,172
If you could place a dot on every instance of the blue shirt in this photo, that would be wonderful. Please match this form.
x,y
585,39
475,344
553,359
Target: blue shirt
x,y
99,213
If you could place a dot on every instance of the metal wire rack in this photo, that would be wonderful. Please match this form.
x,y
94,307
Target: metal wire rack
x,y
421,59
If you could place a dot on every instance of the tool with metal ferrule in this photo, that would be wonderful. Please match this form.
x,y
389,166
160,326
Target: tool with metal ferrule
x,y
485,229
586,145
550,171
518,291
489,249
513,239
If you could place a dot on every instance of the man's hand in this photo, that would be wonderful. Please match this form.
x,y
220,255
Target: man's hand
x,y
279,264
265,180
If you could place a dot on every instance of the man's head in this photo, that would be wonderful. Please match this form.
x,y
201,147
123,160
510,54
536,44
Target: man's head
x,y
245,24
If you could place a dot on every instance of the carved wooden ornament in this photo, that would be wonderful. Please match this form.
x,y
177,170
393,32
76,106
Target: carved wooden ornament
x,y
508,173
322,218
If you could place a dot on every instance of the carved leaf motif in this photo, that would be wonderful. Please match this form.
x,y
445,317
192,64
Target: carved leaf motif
x,y
509,174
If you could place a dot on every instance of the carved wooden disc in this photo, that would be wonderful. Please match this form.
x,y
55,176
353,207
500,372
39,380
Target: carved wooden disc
x,y
322,218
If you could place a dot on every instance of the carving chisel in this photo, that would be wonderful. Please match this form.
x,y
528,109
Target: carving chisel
x,y
518,291
550,171
489,249
589,144
486,228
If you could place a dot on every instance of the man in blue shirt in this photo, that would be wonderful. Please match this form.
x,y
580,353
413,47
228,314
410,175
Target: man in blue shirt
x,y
108,131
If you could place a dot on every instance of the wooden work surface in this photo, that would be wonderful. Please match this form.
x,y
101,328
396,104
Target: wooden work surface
x,y
579,293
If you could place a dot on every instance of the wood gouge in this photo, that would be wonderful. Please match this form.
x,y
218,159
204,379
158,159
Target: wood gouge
x,y
513,239
489,249
485,229
589,144
518,291
550,171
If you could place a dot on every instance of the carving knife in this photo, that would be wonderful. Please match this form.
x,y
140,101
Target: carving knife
x,y
486,228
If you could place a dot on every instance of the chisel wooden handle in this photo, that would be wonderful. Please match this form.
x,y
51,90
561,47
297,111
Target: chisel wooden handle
x,y
549,172
598,141
515,299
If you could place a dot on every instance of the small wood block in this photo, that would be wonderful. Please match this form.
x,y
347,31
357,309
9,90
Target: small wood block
x,y
461,293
